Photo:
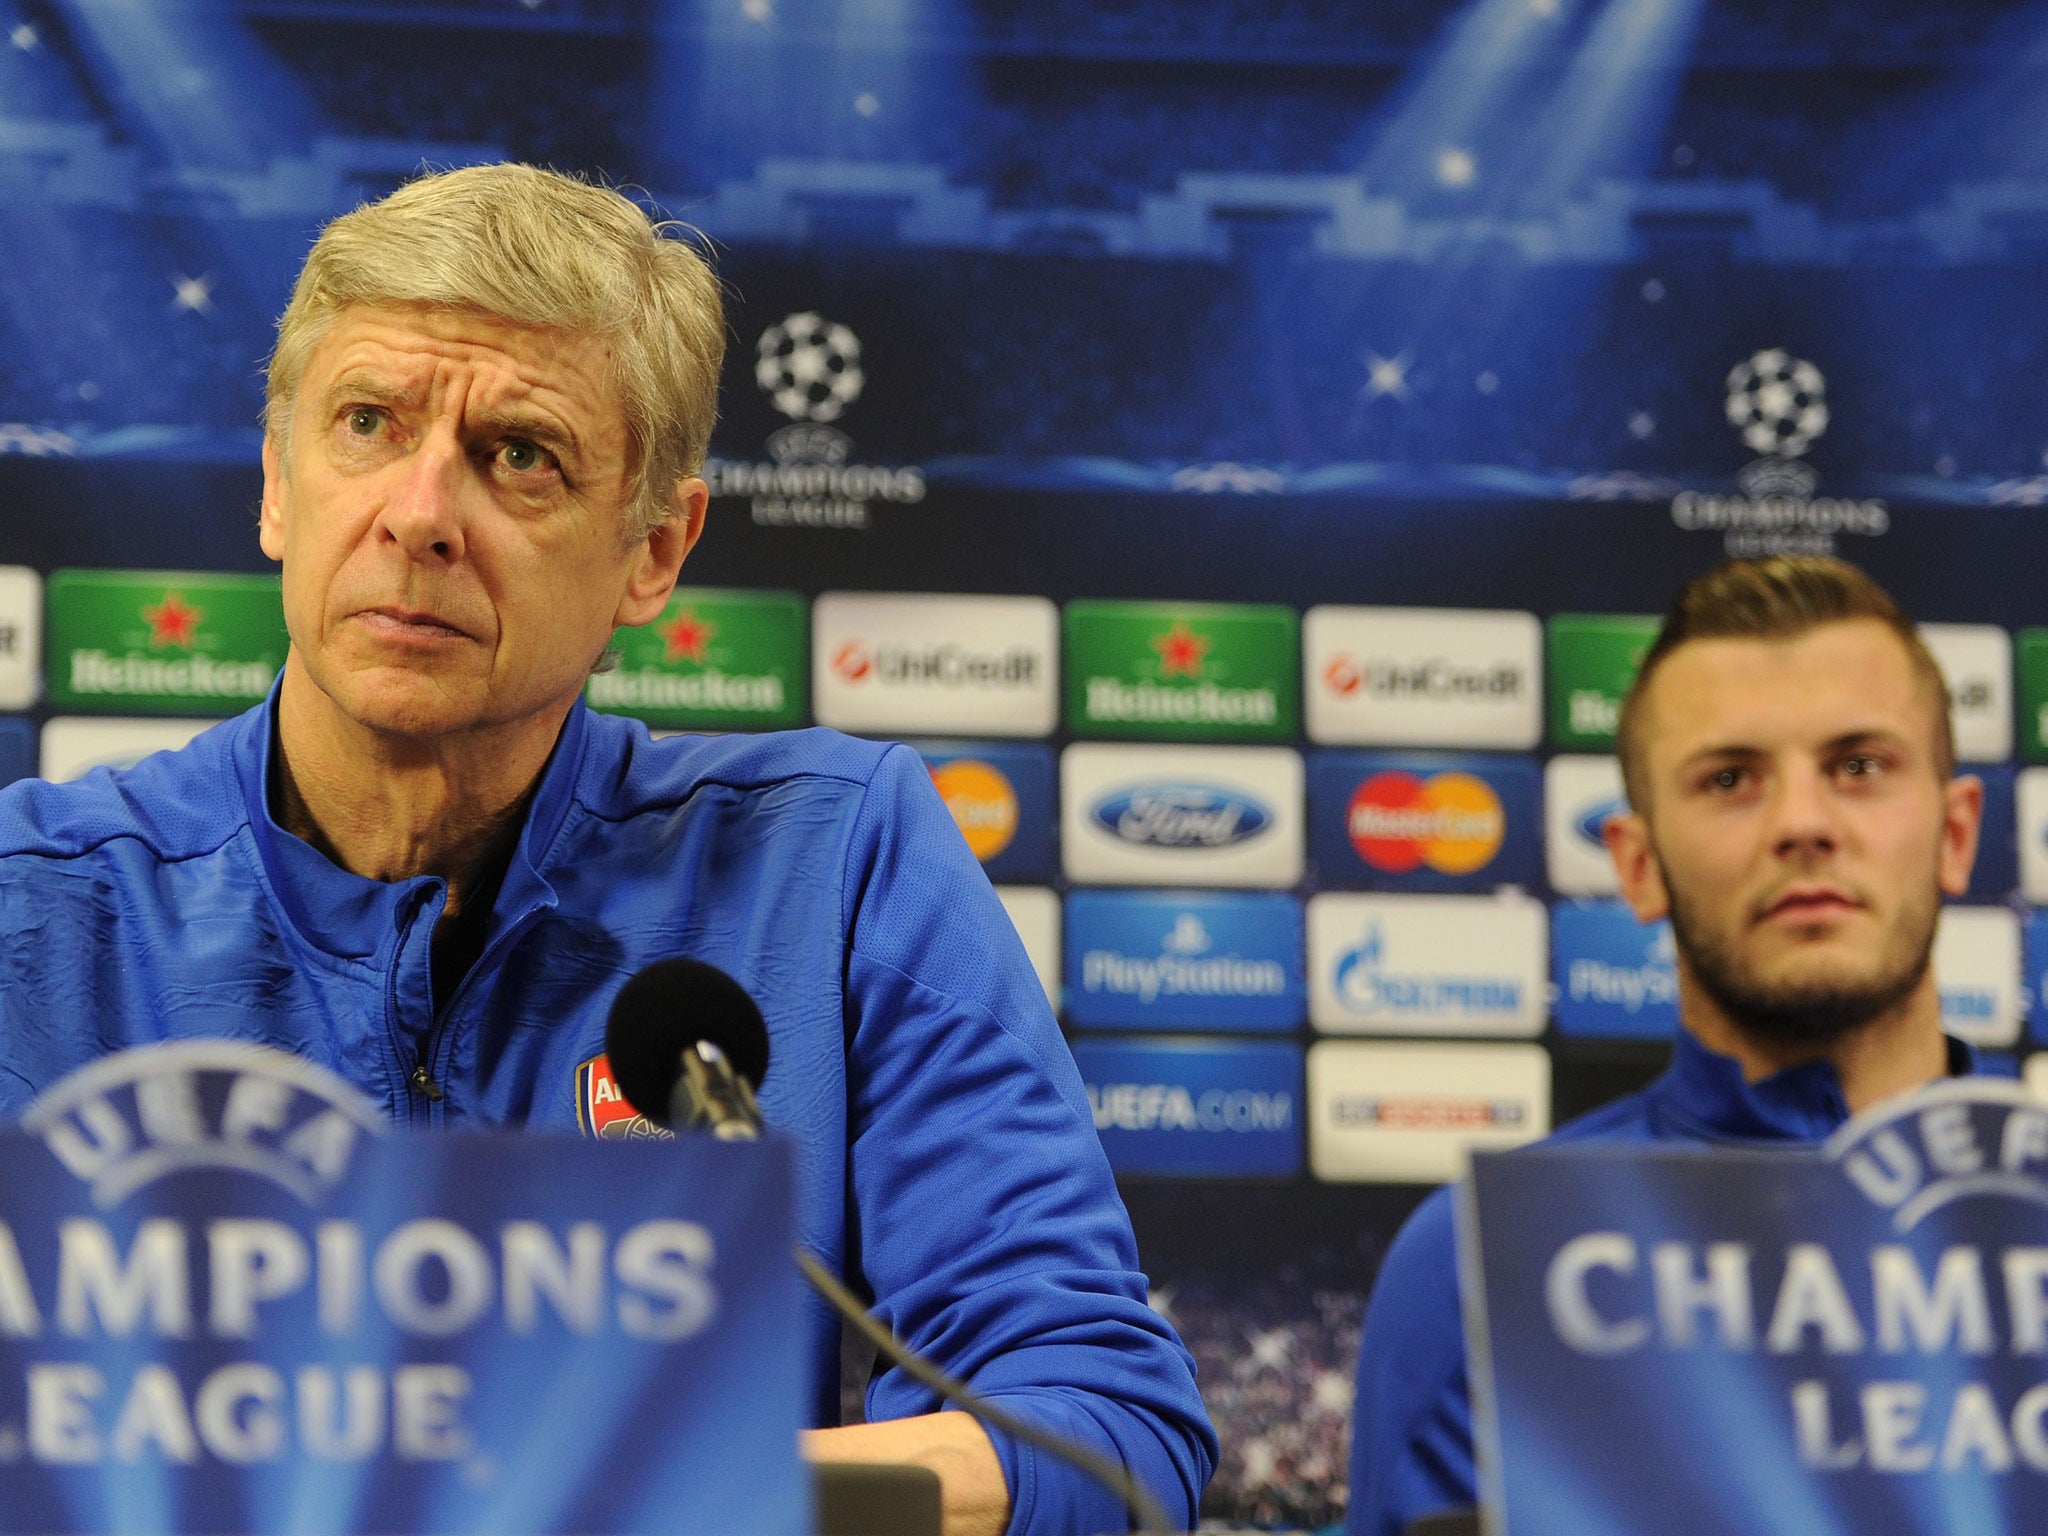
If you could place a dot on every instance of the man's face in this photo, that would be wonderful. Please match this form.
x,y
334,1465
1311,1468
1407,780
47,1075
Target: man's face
x,y
449,514
1798,833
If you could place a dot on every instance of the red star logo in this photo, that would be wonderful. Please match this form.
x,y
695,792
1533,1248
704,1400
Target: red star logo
x,y
687,636
1180,651
172,622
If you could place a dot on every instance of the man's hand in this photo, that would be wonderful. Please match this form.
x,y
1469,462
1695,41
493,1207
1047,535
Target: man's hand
x,y
976,1501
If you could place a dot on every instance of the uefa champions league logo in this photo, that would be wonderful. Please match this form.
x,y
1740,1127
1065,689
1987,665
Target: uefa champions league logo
x,y
809,366
1778,402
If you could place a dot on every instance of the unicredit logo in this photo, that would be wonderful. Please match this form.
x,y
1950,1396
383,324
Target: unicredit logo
x,y
1181,816
1436,678
851,661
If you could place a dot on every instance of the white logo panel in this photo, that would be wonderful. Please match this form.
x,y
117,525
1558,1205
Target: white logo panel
x,y
72,746
1174,815
1434,677
1409,1113
2035,1074
1976,661
1579,794
1035,914
2032,804
21,636
1977,970
942,665
1428,965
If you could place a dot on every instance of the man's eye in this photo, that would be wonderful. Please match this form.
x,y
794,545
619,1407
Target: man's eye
x,y
1861,767
522,456
364,421
1726,778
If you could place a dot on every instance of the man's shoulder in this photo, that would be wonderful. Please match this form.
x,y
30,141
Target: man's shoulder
x,y
1628,1118
177,804
629,770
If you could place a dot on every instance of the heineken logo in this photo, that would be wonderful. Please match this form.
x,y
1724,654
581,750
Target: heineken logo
x,y
172,622
1180,651
686,636
1218,671
195,677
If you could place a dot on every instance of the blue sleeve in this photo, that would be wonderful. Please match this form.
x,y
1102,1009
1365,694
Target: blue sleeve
x,y
1411,1433
985,1221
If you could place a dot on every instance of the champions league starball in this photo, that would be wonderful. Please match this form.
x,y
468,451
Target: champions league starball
x,y
809,366
1778,402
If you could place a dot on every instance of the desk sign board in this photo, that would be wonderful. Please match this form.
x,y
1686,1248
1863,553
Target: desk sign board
x,y
1700,1341
231,1300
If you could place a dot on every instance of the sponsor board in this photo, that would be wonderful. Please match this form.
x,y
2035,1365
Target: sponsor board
x,y
2030,663
1977,972
1403,1112
1203,1109
21,636
1996,873
1428,965
72,748
1976,662
1035,914
716,659
1426,821
2034,956
163,642
1181,671
2034,1074
17,750
1159,815
885,662
1579,795
1422,677
1591,660
1001,798
1184,960
1614,976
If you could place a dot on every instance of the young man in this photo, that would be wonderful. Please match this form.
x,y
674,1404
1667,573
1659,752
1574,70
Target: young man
x,y
426,865
1795,814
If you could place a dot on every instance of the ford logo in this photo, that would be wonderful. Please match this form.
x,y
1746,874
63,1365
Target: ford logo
x,y
1597,816
1182,816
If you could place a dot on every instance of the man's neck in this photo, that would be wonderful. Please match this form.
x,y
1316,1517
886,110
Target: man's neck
x,y
1901,1048
392,808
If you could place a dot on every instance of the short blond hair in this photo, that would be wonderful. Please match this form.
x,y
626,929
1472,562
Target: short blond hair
x,y
536,248
1778,598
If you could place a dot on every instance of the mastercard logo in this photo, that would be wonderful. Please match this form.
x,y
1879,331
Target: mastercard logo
x,y
1451,822
982,802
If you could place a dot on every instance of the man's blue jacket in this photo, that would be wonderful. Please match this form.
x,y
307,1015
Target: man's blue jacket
x,y
1411,1441
947,1160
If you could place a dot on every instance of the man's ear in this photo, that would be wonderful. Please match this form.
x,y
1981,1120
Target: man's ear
x,y
270,518
1962,815
659,558
1627,836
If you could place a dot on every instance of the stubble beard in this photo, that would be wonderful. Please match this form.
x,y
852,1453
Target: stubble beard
x,y
1812,1011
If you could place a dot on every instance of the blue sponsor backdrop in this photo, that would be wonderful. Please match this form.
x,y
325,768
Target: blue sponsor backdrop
x,y
1333,777
1184,960
1614,975
1032,771
17,749
1194,1108
1996,874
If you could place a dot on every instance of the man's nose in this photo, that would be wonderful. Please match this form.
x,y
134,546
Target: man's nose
x,y
1804,812
423,514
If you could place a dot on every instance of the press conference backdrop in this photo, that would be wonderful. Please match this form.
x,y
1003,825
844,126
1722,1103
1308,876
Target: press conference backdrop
x,y
1270,420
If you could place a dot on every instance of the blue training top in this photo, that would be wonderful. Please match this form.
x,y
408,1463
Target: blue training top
x,y
947,1161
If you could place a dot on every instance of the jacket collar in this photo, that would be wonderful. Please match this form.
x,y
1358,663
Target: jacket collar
x,y
1703,1095
352,917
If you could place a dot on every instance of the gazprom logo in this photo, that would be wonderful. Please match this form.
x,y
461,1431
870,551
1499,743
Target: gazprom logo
x,y
1181,816
130,1119
1592,821
1365,985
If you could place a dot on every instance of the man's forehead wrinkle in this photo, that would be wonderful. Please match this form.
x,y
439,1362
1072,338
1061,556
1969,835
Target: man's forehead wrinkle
x,y
498,390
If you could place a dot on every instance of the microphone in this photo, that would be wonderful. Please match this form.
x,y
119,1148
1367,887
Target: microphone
x,y
688,1047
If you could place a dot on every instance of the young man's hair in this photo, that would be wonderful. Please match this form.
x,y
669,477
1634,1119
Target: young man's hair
x,y
1780,598
537,248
